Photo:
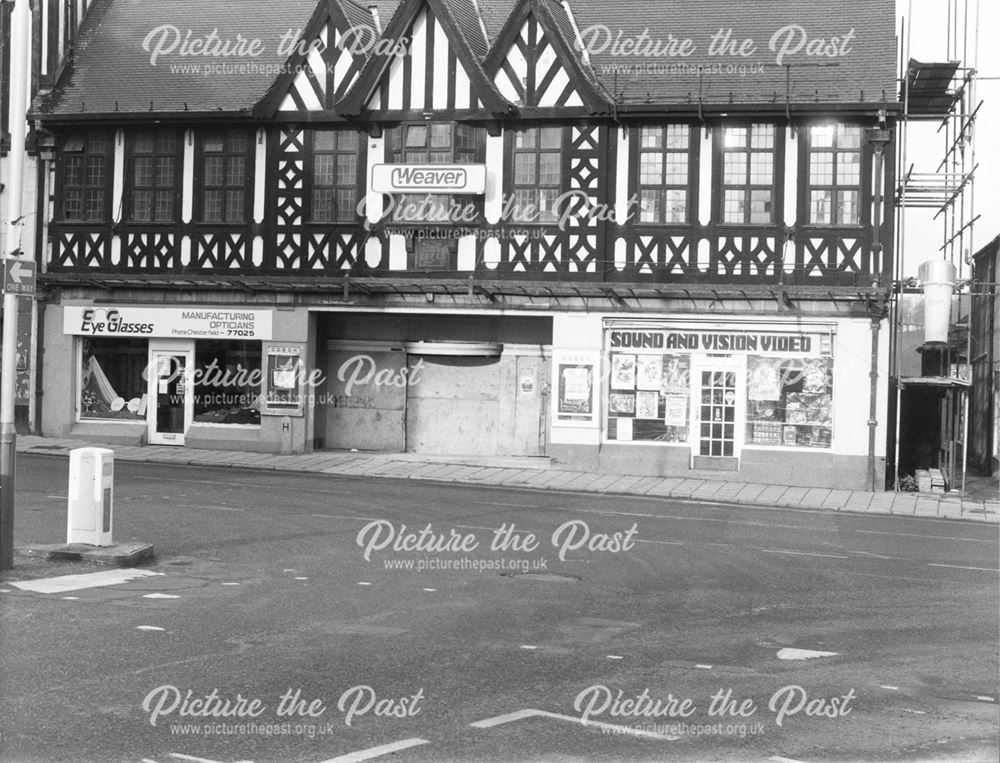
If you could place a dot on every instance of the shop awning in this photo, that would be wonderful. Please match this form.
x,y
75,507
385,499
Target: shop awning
x,y
939,382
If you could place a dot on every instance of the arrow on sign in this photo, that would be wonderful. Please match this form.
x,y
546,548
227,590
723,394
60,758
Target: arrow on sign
x,y
19,271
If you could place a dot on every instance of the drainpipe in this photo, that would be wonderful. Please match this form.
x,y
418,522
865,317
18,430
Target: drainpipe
x,y
879,139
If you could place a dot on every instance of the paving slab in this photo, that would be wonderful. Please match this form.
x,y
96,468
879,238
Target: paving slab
x,y
623,484
793,496
772,495
837,499
814,497
859,501
904,503
665,486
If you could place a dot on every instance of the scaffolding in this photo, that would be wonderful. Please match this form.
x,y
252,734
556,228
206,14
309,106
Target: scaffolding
x,y
942,92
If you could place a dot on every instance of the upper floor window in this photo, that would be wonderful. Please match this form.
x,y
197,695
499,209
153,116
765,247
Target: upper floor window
x,y
153,176
224,176
85,172
664,156
748,174
537,177
834,174
335,179
435,143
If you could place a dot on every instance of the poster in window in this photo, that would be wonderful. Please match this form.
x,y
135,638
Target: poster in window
x,y
575,392
622,404
622,371
649,372
764,381
675,411
647,404
676,374
625,429
283,378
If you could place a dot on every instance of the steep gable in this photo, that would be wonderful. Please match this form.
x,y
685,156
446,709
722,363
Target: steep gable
x,y
536,62
425,62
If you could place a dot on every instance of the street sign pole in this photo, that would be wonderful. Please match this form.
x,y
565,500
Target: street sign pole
x,y
20,34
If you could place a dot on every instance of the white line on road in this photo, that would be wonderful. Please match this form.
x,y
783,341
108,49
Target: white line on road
x,y
802,553
531,713
889,688
779,759
960,567
375,752
345,516
661,542
984,698
64,583
182,756
159,596
149,628
921,535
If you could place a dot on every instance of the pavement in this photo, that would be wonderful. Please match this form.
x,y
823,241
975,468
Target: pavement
x,y
983,505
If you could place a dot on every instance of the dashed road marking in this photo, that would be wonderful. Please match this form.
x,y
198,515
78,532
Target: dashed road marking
x,y
518,715
789,653
615,657
182,756
149,628
431,590
661,542
802,553
64,583
960,567
984,698
375,752
889,688
779,759
528,646
158,596
704,667
363,582
921,535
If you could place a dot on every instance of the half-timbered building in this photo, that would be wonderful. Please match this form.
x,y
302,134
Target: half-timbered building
x,y
641,238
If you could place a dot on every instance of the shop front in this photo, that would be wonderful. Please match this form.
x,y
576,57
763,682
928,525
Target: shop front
x,y
200,375
742,401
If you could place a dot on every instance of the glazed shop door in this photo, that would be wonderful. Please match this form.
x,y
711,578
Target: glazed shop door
x,y
720,396
170,391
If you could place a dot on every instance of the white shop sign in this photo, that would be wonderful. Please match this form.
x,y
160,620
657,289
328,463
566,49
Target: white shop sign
x,y
167,322
428,178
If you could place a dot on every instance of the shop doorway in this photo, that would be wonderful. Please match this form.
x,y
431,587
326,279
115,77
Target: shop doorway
x,y
719,403
170,392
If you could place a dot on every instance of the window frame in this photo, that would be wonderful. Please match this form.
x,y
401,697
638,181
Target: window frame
x,y
249,159
834,186
67,151
131,187
720,186
396,152
358,186
513,151
691,152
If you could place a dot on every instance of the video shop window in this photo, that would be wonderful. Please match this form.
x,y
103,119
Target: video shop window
x,y
790,401
227,382
648,397
112,383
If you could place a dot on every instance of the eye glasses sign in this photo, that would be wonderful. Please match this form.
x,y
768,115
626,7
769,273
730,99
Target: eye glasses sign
x,y
429,178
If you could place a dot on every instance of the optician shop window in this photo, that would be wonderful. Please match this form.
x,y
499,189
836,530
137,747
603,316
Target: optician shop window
x,y
227,381
112,382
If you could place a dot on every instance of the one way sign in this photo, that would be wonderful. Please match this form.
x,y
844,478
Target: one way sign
x,y
18,276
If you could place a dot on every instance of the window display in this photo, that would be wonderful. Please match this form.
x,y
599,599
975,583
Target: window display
x,y
649,397
789,401
112,382
227,381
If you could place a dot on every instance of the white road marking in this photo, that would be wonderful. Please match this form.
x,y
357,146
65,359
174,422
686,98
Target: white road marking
x,y
344,516
430,589
160,596
149,628
301,578
230,584
889,688
375,752
920,535
531,713
287,569
65,583
704,667
984,698
363,582
220,508
5,590
615,657
915,712
960,567
528,646
72,598
788,653
182,756
802,553
661,542
779,759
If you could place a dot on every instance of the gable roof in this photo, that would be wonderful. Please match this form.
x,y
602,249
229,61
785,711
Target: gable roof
x,y
128,57
551,57
333,50
396,37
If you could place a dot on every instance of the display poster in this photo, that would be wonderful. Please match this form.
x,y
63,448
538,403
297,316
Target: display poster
x,y
622,371
575,388
284,366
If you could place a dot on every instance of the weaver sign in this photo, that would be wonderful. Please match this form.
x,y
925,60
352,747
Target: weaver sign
x,y
428,178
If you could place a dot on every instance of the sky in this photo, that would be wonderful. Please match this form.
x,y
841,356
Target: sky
x,y
925,147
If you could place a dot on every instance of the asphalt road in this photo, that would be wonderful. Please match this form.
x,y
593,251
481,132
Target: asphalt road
x,y
662,624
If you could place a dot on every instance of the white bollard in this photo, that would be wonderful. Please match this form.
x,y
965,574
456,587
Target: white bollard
x,y
91,496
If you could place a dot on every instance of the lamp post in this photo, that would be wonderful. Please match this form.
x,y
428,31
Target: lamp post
x,y
20,34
